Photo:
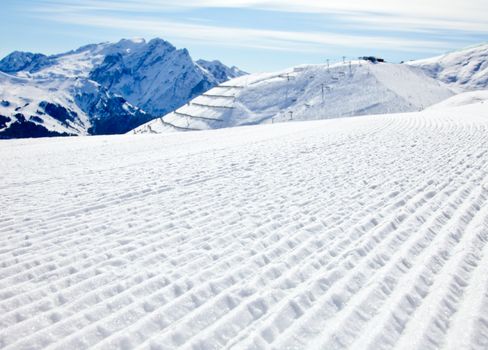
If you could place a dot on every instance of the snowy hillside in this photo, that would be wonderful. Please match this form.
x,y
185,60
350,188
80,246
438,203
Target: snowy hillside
x,y
99,89
353,233
306,93
464,69
62,107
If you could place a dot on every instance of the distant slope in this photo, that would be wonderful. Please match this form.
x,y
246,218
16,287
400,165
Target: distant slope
x,y
103,88
464,69
62,107
306,93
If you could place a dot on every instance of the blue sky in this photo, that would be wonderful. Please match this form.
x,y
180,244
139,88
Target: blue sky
x,y
255,35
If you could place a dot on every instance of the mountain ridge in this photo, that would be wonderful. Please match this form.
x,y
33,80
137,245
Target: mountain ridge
x,y
110,87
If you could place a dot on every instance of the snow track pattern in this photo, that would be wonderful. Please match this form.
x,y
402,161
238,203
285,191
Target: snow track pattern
x,y
360,233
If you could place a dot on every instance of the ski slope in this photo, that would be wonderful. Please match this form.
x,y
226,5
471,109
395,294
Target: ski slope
x,y
307,92
355,233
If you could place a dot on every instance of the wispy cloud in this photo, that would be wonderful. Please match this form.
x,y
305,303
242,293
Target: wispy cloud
x,y
316,29
139,17
245,37
415,15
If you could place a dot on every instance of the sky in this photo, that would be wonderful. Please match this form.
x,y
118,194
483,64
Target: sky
x,y
254,35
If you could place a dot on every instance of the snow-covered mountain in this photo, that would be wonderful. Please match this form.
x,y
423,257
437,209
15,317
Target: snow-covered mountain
x,y
103,88
62,107
157,77
18,61
307,93
464,70
219,70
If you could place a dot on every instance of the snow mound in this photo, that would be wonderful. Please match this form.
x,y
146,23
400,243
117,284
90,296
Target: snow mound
x,y
306,93
462,99
465,69
352,233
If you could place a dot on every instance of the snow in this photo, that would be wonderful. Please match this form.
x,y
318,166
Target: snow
x,y
367,232
25,94
307,92
88,102
157,77
464,70
153,77
462,99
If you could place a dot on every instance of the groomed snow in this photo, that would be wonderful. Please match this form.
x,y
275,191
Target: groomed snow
x,y
357,233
